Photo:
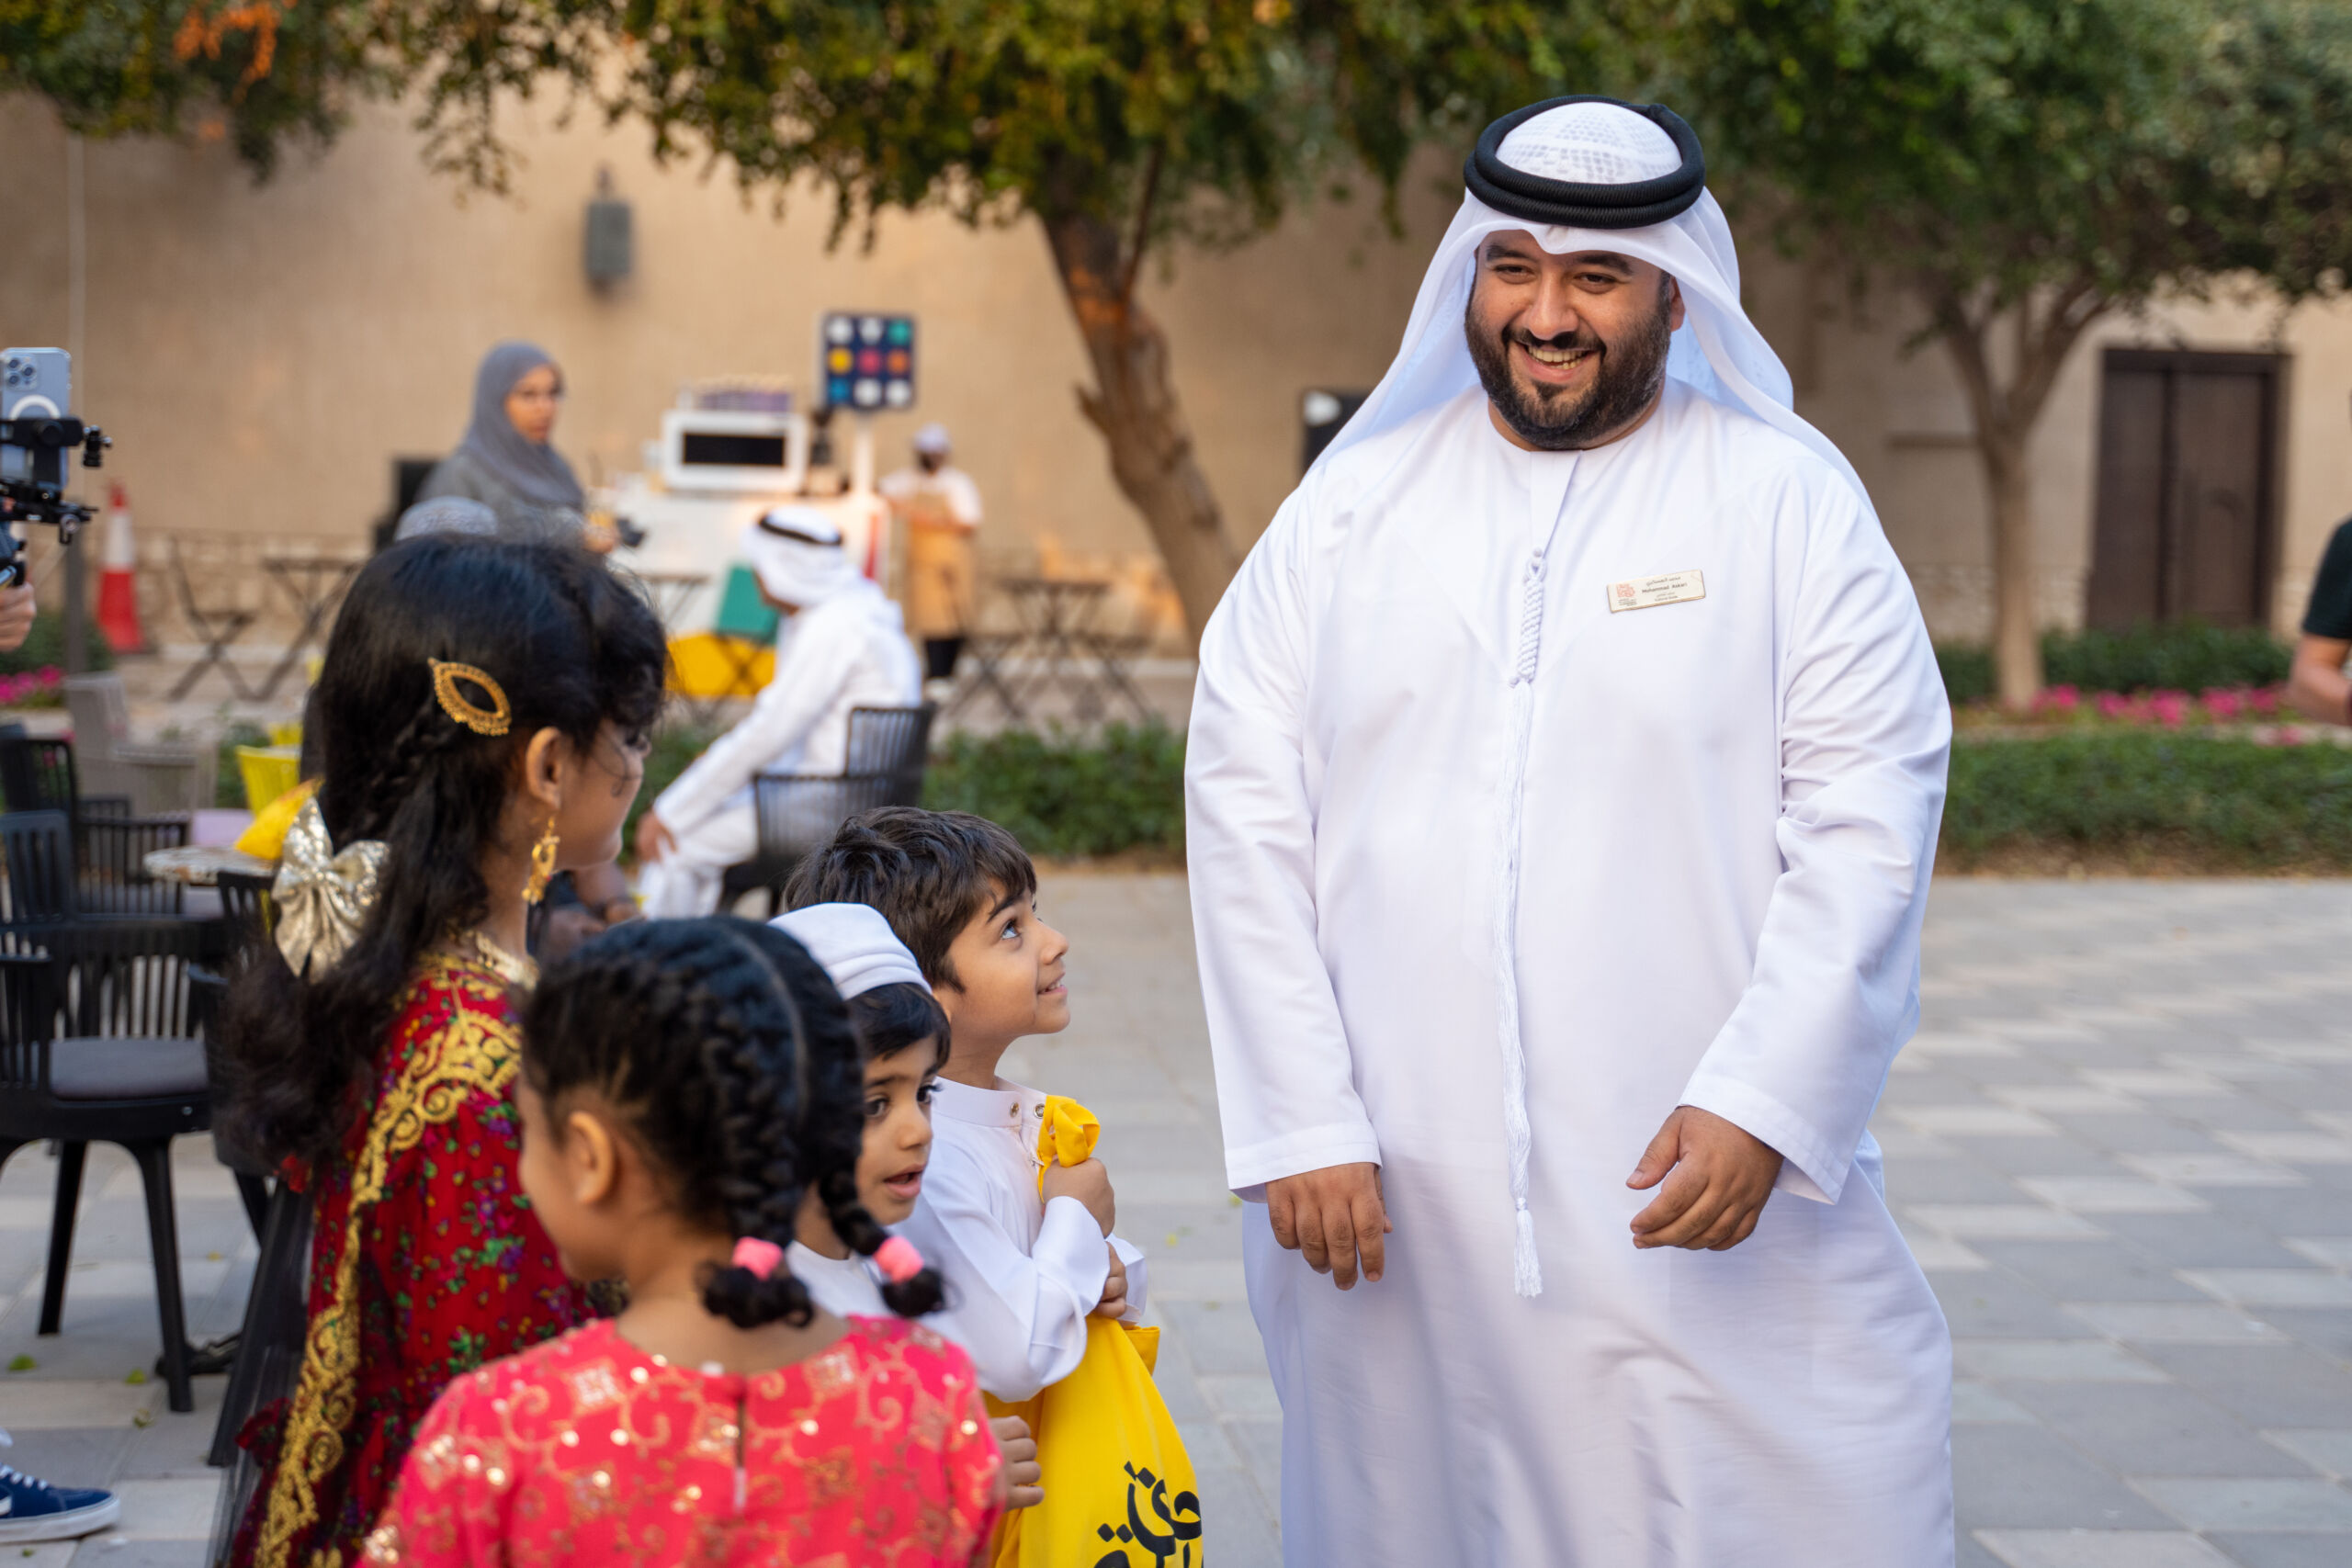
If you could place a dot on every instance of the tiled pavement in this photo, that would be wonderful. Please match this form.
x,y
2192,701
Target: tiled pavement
x,y
2121,1144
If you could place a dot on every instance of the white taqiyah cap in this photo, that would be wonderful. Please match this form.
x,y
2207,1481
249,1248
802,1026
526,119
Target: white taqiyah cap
x,y
856,944
932,440
1591,143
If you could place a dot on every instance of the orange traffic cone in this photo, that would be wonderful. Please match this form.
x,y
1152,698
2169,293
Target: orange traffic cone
x,y
118,581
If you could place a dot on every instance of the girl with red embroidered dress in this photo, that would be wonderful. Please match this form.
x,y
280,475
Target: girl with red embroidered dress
x,y
483,712
685,1084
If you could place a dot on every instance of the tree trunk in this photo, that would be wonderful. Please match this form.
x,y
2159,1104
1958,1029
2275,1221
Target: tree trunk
x,y
2017,631
2045,329
1133,402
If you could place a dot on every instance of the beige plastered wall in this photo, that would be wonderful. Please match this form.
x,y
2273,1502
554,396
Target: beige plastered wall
x,y
261,352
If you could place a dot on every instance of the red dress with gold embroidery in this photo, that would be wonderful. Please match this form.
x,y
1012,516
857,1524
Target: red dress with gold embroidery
x,y
425,1263
874,1451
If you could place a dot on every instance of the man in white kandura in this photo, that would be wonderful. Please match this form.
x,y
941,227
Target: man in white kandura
x,y
1563,787
842,646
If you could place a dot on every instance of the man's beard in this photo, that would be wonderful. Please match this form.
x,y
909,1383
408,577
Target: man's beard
x,y
1557,419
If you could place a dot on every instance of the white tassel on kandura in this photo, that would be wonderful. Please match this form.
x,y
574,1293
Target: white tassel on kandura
x,y
1527,1271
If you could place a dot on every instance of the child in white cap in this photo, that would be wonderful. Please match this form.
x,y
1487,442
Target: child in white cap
x,y
902,1037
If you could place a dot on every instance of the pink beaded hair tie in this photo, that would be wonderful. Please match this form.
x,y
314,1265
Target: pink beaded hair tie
x,y
898,1260
760,1257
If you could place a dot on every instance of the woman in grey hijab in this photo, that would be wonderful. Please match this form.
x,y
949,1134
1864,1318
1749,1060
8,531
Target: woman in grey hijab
x,y
505,462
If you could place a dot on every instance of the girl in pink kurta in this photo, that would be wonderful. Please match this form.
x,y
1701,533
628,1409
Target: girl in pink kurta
x,y
683,1083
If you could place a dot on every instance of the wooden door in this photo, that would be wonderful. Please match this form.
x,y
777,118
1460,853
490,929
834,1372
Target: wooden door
x,y
2188,456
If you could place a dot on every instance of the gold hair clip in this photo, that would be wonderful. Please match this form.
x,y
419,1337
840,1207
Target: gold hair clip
x,y
491,720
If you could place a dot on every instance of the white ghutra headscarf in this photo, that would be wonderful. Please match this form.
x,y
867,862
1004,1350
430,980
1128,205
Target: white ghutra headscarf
x,y
796,554
1573,172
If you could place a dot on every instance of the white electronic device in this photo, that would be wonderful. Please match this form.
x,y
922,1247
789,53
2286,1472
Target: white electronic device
x,y
734,451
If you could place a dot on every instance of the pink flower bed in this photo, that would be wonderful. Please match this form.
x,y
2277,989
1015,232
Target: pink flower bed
x,y
2063,705
31,686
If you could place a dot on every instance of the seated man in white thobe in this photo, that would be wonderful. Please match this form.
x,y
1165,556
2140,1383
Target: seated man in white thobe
x,y
1563,787
842,646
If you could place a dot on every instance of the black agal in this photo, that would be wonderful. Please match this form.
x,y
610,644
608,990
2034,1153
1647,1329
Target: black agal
x,y
1581,206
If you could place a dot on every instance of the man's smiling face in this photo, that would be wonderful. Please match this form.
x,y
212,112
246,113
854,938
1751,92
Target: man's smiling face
x,y
1571,349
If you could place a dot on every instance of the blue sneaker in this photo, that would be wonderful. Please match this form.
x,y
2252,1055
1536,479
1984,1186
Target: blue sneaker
x,y
34,1510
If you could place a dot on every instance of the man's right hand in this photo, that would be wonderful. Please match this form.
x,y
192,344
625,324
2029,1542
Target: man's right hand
x,y
654,839
1090,1183
1334,1216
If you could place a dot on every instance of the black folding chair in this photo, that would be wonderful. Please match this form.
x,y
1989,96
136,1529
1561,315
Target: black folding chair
x,y
247,905
110,846
799,812
38,774
39,847
96,1045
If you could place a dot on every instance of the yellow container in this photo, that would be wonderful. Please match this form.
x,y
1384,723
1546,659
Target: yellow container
x,y
708,664
269,772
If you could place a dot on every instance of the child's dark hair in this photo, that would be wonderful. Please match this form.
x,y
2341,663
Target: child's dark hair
x,y
572,646
930,872
731,1056
888,1019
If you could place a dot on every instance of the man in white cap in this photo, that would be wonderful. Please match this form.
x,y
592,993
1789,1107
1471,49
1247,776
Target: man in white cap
x,y
939,506
1563,787
843,647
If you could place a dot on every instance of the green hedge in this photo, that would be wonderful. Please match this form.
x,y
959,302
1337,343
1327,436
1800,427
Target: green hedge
x,y
674,746
1967,672
1063,795
2155,799
1120,793
2184,656
2208,801
45,646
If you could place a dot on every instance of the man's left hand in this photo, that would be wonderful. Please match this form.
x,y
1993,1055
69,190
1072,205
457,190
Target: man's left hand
x,y
654,839
1721,1177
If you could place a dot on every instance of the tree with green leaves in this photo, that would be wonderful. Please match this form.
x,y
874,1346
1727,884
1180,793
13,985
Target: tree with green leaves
x,y
1124,128
259,73
2022,170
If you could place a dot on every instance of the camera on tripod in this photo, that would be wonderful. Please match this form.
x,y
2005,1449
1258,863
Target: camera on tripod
x,y
37,429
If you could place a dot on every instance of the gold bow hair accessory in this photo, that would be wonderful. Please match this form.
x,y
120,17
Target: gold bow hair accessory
x,y
323,896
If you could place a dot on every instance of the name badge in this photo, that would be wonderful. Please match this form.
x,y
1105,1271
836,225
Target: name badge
x,y
1667,588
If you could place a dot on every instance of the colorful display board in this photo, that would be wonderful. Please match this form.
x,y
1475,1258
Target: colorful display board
x,y
866,363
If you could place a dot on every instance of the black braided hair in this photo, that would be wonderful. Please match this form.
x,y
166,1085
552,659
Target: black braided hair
x,y
731,1055
572,646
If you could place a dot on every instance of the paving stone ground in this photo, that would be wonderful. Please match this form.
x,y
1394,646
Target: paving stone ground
x,y
2121,1145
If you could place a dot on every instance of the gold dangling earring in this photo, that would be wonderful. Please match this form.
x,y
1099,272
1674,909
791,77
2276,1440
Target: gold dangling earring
x,y
542,864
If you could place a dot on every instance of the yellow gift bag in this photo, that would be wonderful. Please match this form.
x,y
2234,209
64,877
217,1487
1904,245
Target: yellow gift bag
x,y
1119,1486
